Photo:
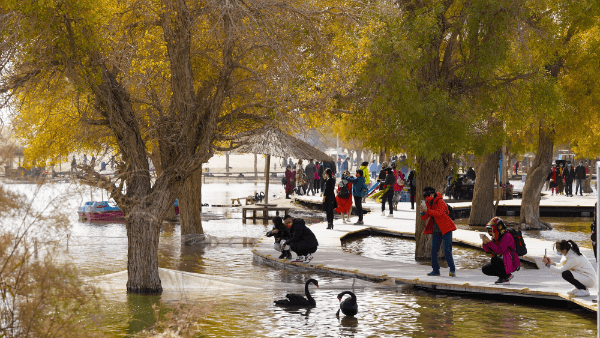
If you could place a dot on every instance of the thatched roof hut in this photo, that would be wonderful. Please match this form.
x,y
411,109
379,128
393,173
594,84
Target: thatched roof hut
x,y
275,142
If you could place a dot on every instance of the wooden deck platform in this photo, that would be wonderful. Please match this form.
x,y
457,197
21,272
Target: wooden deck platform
x,y
331,258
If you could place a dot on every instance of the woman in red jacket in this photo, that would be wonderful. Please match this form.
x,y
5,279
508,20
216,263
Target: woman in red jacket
x,y
440,225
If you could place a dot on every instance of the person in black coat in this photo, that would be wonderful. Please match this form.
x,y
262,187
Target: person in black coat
x,y
281,233
412,187
471,174
569,175
579,178
329,202
382,174
303,241
390,179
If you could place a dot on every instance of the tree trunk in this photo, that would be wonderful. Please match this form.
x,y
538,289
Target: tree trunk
x,y
432,173
482,207
536,177
190,207
143,232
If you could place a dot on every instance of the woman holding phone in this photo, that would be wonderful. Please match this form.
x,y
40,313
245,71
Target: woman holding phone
x,y
440,225
503,248
574,267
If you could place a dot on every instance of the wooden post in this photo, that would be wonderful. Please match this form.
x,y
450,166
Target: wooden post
x,y
227,163
255,166
267,169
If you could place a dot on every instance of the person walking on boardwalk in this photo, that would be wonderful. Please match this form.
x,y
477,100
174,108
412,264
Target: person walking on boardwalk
x,y
317,178
503,248
388,195
412,185
329,202
290,178
569,175
560,179
574,267
373,170
579,178
73,165
553,177
359,191
302,241
440,225
344,197
398,184
310,176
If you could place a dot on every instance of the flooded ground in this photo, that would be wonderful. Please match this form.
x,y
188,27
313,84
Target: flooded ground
x,y
99,249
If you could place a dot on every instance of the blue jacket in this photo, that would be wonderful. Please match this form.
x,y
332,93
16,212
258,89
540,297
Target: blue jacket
x,y
359,188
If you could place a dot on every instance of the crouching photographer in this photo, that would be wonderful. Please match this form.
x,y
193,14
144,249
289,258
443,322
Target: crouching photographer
x,y
281,234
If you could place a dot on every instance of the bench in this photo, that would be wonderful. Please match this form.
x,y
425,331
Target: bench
x,y
248,200
264,212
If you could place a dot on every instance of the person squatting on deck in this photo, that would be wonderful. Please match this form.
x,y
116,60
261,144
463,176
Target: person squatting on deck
x,y
359,191
441,226
503,248
302,241
281,233
574,267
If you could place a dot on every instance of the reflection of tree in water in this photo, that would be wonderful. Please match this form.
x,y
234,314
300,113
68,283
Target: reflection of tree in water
x,y
141,311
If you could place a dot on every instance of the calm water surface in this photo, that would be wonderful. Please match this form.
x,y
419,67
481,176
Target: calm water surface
x,y
403,312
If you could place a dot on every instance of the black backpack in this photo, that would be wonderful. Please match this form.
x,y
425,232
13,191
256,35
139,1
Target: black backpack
x,y
344,192
519,242
451,212
283,181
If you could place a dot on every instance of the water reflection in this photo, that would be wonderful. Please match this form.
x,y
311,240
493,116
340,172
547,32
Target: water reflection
x,y
397,312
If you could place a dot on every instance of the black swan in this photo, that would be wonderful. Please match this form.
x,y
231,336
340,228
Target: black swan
x,y
348,305
297,300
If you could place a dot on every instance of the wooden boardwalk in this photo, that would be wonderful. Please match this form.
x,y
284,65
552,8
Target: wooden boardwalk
x,y
331,258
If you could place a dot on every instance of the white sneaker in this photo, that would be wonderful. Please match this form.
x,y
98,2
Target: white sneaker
x,y
344,221
299,259
390,215
308,258
581,293
572,292
383,213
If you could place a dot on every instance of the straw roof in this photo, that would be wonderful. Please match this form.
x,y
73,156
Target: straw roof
x,y
275,142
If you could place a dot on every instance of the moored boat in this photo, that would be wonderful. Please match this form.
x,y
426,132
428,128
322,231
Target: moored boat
x,y
102,211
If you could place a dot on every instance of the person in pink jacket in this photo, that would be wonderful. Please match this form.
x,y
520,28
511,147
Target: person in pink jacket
x,y
502,246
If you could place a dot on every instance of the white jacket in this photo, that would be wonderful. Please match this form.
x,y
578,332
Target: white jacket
x,y
575,263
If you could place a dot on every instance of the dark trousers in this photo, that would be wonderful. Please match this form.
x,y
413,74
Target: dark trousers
x,y
436,242
317,185
569,188
358,203
322,184
495,268
568,276
329,211
579,186
389,197
413,193
311,186
303,251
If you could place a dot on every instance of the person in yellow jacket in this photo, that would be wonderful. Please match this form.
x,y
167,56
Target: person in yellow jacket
x,y
365,168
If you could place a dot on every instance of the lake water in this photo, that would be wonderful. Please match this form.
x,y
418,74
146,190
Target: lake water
x,y
100,249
